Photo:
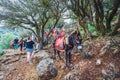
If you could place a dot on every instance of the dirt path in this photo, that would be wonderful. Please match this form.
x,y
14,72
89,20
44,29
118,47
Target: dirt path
x,y
19,70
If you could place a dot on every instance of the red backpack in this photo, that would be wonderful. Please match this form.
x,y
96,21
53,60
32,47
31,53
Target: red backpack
x,y
20,42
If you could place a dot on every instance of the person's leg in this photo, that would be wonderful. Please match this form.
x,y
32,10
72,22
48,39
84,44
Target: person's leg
x,y
32,55
54,53
28,57
14,46
20,47
17,46
67,59
59,55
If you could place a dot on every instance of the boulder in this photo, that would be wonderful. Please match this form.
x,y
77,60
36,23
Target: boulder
x,y
74,74
46,69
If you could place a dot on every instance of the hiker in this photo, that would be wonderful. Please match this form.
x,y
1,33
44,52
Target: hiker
x,y
70,42
37,47
21,44
24,43
12,43
29,49
16,43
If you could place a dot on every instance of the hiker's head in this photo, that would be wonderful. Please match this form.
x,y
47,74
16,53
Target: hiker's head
x,y
62,32
16,37
28,38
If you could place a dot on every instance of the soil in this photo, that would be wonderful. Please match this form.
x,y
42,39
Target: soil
x,y
21,70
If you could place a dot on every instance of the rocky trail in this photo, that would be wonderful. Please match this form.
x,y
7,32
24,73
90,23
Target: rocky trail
x,y
13,65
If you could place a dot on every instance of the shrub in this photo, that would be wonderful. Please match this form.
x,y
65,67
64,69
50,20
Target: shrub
x,y
5,40
1,52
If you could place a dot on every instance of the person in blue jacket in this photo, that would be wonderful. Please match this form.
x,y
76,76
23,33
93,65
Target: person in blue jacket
x,y
16,43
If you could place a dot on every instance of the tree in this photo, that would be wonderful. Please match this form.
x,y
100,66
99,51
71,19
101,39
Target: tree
x,y
99,15
94,12
82,9
110,15
30,14
117,26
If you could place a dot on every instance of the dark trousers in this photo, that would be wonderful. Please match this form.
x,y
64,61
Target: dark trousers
x,y
68,56
21,46
58,52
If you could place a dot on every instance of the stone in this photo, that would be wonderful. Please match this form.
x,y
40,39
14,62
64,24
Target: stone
x,y
41,55
98,62
46,69
73,75
1,77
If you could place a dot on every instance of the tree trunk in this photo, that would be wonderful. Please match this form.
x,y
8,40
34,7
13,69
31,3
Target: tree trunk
x,y
54,25
83,24
43,26
99,16
102,26
116,27
38,34
42,40
97,26
112,14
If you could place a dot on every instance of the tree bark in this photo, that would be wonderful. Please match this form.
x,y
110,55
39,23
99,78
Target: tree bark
x,y
99,16
42,40
38,34
43,27
54,25
112,14
116,27
83,24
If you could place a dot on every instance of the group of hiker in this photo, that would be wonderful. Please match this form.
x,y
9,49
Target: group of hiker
x,y
60,36
16,43
30,44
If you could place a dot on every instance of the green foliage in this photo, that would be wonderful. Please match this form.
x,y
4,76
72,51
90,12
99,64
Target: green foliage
x,y
1,52
25,34
81,30
5,40
91,28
